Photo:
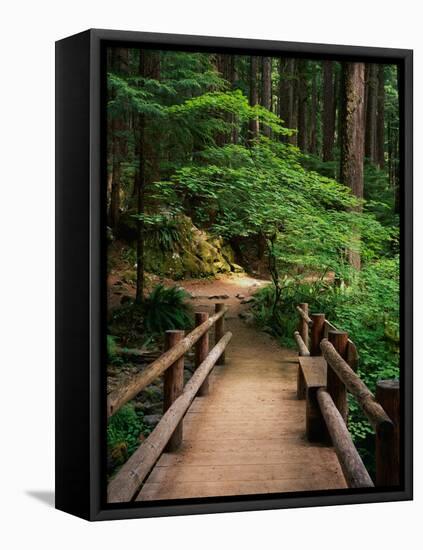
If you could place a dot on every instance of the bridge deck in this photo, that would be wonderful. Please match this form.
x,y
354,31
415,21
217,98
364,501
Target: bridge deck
x,y
248,435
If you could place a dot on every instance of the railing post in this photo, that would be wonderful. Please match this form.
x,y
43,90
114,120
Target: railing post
x,y
173,385
303,326
202,349
315,424
336,388
219,331
317,332
388,444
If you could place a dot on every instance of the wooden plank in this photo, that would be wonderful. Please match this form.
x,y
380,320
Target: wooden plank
x,y
237,472
287,453
236,445
314,370
203,489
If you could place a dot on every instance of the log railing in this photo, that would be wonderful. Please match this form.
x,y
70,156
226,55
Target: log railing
x,y
167,435
327,405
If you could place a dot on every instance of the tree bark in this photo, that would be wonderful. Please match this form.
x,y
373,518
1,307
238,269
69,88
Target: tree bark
x,y
266,93
148,171
225,65
329,111
380,129
352,150
119,63
286,92
302,106
371,111
313,113
254,123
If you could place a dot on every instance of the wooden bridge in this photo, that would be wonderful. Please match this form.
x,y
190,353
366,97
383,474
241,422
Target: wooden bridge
x,y
256,418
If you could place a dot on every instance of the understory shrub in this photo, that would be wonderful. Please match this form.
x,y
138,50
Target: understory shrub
x,y
123,435
166,308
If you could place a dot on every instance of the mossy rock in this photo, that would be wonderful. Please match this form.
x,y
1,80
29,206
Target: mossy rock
x,y
197,254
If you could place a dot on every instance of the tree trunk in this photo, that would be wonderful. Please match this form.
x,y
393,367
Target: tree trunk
x,y
119,63
329,111
266,93
232,77
148,170
371,111
254,123
352,152
302,106
313,113
286,92
287,76
225,65
380,130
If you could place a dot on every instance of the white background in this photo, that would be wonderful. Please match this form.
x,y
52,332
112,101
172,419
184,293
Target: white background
x,y
28,32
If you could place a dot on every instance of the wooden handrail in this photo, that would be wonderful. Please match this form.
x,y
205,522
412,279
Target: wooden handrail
x,y
303,350
371,408
352,352
130,477
305,317
125,393
382,411
354,471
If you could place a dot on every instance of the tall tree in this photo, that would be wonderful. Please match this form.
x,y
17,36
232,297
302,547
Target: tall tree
x,y
119,63
371,111
266,89
353,133
286,91
287,95
380,130
254,98
329,110
302,105
226,66
313,112
148,170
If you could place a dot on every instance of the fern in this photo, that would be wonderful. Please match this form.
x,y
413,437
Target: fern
x,y
166,309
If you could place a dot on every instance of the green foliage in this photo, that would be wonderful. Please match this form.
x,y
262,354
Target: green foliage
x,y
113,357
161,231
123,434
263,190
111,346
166,309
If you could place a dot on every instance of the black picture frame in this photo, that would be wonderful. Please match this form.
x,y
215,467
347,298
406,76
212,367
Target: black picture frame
x,y
80,268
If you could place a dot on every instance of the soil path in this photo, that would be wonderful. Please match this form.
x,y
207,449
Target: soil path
x,y
247,435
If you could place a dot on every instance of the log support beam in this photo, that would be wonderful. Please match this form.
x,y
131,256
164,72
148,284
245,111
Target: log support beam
x,y
388,443
173,384
202,349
